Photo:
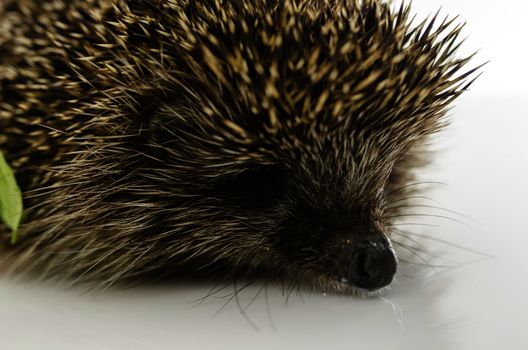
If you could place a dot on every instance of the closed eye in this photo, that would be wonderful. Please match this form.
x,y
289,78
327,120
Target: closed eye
x,y
257,186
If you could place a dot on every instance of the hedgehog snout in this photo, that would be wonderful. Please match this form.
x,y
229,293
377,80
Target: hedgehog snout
x,y
370,264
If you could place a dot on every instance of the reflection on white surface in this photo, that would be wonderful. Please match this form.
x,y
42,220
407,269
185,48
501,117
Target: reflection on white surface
x,y
471,298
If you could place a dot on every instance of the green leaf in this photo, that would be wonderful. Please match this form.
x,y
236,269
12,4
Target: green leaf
x,y
11,206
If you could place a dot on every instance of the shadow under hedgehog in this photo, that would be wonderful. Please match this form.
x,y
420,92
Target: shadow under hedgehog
x,y
162,137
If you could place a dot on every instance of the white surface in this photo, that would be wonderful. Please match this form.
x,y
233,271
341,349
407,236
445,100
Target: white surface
x,y
480,303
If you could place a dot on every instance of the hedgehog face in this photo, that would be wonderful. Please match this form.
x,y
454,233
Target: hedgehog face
x,y
322,224
296,202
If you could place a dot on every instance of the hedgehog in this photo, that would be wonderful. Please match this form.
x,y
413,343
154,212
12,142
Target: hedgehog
x,y
156,138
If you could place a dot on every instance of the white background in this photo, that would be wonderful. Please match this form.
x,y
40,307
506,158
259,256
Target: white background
x,y
470,298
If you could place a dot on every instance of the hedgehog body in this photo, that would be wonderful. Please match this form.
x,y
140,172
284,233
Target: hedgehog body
x,y
177,135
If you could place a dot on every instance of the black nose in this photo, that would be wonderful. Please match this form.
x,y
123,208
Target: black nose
x,y
372,264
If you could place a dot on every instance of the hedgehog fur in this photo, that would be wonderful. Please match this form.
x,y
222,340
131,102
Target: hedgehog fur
x,y
155,137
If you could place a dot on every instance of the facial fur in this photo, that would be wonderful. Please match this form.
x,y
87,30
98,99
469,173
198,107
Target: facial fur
x,y
179,134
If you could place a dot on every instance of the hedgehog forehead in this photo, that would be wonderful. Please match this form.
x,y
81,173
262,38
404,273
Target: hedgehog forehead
x,y
319,153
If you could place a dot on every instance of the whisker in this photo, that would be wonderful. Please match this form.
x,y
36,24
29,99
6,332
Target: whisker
x,y
451,244
433,207
414,253
428,265
414,224
415,184
418,248
242,310
412,197
232,296
431,215
293,284
268,309
215,289
255,297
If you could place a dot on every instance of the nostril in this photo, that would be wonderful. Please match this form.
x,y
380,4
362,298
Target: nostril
x,y
372,265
